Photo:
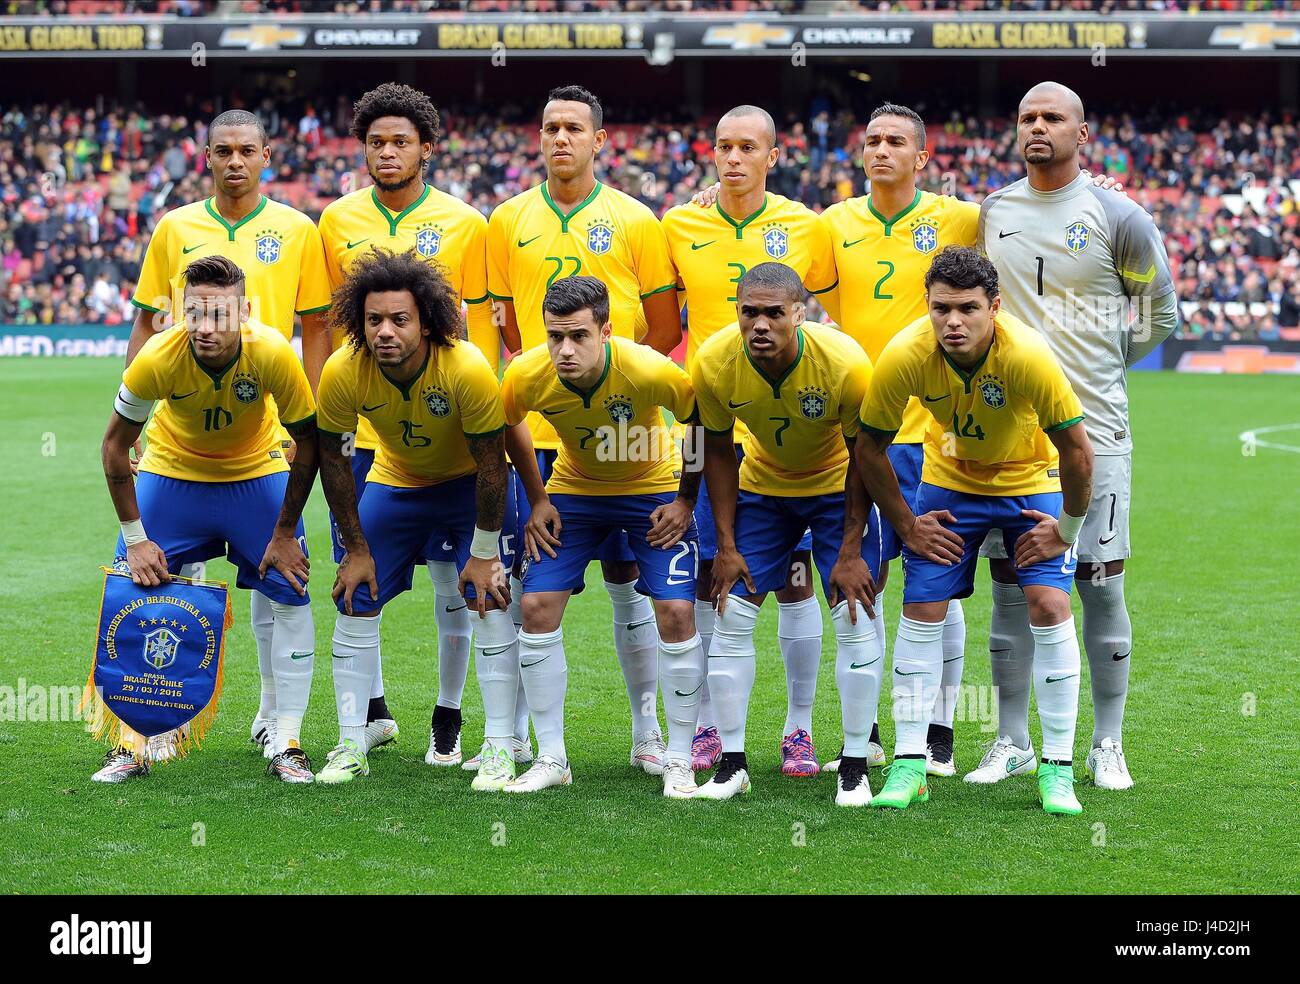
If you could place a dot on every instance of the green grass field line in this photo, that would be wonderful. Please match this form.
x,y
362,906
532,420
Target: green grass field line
x,y
1214,600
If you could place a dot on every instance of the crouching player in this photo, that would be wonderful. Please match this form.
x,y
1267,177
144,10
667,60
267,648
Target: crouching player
x,y
214,479
618,469
796,386
1001,402
439,470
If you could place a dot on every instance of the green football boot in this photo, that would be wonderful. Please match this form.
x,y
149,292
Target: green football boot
x,y
1056,789
906,784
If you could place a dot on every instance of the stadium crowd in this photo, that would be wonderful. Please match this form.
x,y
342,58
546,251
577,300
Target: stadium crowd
x,y
80,190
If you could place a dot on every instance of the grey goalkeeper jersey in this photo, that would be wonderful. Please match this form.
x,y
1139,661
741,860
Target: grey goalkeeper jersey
x,y
1078,264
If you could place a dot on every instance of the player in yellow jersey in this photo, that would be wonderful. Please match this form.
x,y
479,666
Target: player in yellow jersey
x,y
398,128
794,384
712,248
1005,450
279,251
573,224
214,480
439,471
618,469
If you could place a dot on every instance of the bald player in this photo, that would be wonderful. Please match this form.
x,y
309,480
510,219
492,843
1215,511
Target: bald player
x,y
1091,272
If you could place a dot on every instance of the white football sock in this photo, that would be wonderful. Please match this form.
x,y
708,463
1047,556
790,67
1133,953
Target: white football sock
x,y
263,619
454,631
546,675
356,663
636,642
377,684
521,699
681,678
1011,658
918,668
859,669
496,657
1107,633
878,623
799,634
705,616
731,670
294,649
1056,685
954,660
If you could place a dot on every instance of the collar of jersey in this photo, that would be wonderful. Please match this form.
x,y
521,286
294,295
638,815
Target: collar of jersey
x,y
217,375
890,223
776,383
231,229
394,220
965,376
586,397
565,219
405,388
740,226
1063,192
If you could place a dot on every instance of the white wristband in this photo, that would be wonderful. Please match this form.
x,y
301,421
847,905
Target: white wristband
x,y
133,532
484,546
1068,526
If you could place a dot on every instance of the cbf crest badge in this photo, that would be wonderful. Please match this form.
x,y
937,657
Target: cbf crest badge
x,y
427,241
268,246
776,241
245,388
600,237
992,392
160,648
619,408
925,236
1076,237
437,400
812,402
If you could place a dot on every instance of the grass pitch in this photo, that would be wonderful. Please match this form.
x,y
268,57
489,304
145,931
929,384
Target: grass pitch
x,y
1210,734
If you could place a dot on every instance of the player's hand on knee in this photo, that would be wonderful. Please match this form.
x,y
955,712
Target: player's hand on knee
x,y
542,531
488,575
931,539
705,197
1041,543
851,581
669,523
356,569
148,564
285,554
728,568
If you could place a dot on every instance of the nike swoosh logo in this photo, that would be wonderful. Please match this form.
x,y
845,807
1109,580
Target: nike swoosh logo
x,y
524,242
182,396
1107,539
1058,679
187,250
954,659
936,399
737,406
374,408
637,625
498,652
524,666
552,413
1014,763
691,694
858,666
1142,278
992,651
450,611
848,244
1003,235
695,246
913,673
1117,657
302,655
352,245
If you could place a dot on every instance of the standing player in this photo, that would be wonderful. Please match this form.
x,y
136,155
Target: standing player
x,y
712,249
1000,401
214,478
618,469
573,224
1075,263
279,252
796,386
439,471
398,128
883,243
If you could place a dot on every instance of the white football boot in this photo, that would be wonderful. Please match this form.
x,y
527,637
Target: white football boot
x,y
679,779
120,765
523,753
875,758
380,732
1002,761
1107,767
649,753
495,770
728,781
544,773
852,787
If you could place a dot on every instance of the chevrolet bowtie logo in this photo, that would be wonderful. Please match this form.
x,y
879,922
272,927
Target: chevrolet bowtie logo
x,y
749,35
1255,37
262,37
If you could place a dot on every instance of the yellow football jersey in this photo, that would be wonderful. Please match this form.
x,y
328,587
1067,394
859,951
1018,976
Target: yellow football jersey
x,y
986,433
610,236
277,247
613,439
219,425
882,264
422,425
796,424
711,251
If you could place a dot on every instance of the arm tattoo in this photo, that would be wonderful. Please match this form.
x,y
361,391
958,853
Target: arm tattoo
x,y
340,489
490,487
302,476
692,463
